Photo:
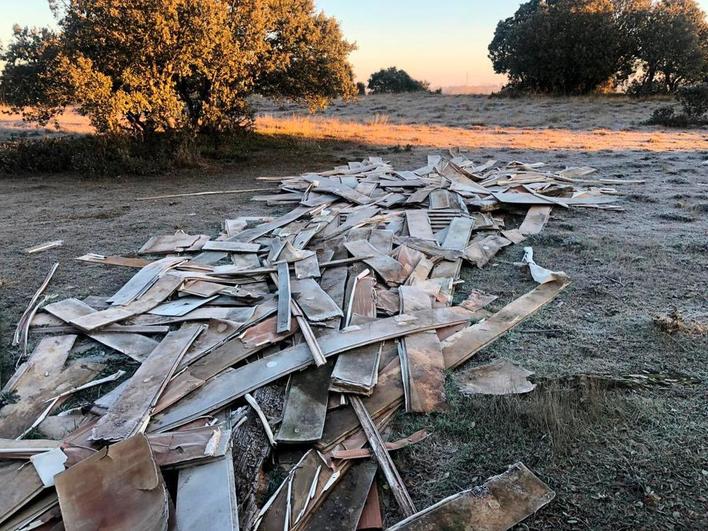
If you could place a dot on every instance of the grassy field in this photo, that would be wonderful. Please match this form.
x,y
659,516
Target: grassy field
x,y
618,457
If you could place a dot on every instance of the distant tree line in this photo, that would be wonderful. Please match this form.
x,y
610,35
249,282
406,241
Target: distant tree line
x,y
150,66
579,46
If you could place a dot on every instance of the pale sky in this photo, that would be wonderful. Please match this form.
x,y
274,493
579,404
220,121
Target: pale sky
x,y
444,42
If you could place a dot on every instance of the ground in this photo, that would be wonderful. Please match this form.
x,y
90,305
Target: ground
x,y
617,457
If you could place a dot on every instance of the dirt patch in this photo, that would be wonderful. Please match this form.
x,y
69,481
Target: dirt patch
x,y
618,459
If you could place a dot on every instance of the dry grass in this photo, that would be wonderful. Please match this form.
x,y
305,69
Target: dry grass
x,y
379,131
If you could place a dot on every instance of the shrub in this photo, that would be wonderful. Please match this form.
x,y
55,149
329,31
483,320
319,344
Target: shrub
x,y
694,100
392,80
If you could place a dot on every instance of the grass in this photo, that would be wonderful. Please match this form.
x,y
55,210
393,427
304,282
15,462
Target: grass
x,y
378,130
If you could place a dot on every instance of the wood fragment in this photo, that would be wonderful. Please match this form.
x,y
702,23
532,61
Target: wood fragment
x,y
264,421
501,503
23,323
215,192
378,447
44,246
284,311
131,411
118,487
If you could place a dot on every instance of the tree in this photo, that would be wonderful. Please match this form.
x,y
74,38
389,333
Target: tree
x,y
561,46
672,46
361,88
145,66
393,80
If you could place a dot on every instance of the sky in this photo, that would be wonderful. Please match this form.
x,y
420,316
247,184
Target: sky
x,y
444,42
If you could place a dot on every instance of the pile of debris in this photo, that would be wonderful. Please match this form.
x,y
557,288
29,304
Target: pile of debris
x,y
347,298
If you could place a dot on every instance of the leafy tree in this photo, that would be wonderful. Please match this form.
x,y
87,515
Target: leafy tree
x,y
393,80
145,66
361,88
672,46
560,46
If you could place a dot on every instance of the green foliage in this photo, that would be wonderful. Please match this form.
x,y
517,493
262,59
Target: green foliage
x,y
148,66
578,46
671,46
694,99
392,81
559,46
694,104
361,88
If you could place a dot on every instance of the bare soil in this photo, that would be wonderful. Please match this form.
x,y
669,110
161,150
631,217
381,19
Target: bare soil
x,y
618,458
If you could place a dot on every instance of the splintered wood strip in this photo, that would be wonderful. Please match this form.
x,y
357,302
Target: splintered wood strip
x,y
234,383
131,410
214,192
134,345
113,260
378,447
261,416
332,187
305,406
44,246
459,347
535,219
501,503
362,453
21,330
118,487
161,290
284,312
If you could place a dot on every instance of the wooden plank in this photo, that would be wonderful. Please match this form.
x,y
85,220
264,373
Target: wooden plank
x,y
173,243
371,518
422,359
253,340
333,282
389,269
342,509
439,199
216,333
46,374
356,371
234,383
118,487
134,345
314,301
459,347
305,406
307,268
143,280
181,306
501,503
22,328
382,240
231,247
207,493
22,485
131,410
330,186
378,447
535,219
163,288
482,251
458,234
419,225
284,312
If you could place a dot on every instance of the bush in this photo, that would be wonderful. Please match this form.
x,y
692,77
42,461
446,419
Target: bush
x,y
361,88
694,103
694,100
392,81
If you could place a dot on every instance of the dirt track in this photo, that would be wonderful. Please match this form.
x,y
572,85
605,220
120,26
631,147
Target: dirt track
x,y
618,459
